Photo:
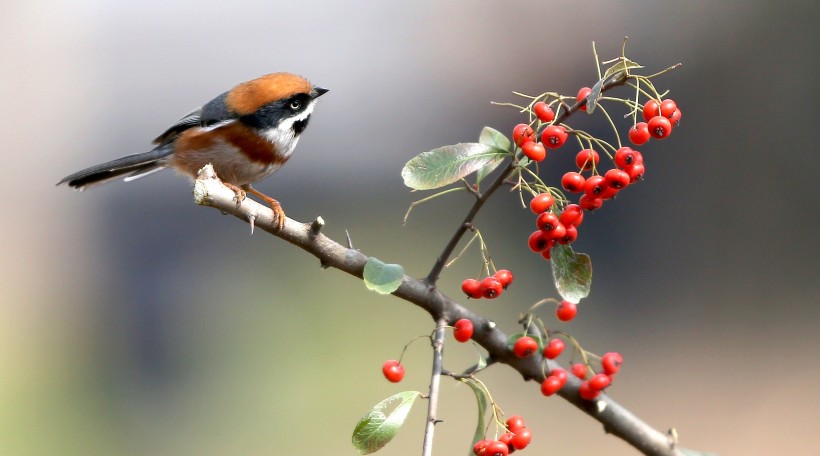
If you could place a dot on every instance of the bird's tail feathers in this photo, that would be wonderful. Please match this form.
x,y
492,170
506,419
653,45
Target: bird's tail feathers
x,y
130,167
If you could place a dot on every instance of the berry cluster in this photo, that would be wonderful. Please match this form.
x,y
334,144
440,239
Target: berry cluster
x,y
553,229
517,437
599,185
659,119
589,389
489,287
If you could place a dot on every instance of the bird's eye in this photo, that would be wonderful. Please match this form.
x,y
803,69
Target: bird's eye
x,y
295,105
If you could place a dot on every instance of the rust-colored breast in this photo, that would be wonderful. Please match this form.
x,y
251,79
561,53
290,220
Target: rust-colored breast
x,y
249,96
238,154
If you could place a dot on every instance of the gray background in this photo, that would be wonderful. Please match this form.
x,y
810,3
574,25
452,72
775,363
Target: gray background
x,y
133,322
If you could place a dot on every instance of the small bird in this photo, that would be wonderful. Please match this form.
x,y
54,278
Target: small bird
x,y
246,133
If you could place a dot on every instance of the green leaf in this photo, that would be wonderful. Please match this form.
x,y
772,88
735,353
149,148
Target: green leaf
x,y
448,164
382,278
695,453
491,137
621,65
376,429
594,95
481,401
572,273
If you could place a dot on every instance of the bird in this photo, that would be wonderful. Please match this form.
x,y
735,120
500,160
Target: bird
x,y
246,134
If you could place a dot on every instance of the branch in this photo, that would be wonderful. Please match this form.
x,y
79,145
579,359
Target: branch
x,y
435,380
617,420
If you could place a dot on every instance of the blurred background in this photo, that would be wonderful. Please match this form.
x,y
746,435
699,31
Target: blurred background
x,y
133,322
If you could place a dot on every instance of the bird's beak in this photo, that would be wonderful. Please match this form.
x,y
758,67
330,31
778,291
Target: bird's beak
x,y
319,91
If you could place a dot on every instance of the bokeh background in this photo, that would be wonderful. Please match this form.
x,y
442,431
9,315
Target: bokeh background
x,y
133,322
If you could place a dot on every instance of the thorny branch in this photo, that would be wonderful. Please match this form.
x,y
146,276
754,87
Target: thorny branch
x,y
616,419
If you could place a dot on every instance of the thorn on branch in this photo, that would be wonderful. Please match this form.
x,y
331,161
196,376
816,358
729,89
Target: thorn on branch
x,y
252,221
472,188
349,240
316,226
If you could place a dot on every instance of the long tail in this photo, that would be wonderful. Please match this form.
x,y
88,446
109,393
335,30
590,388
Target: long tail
x,y
130,167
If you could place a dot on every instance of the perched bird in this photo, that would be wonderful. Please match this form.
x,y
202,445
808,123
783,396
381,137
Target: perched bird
x,y
246,133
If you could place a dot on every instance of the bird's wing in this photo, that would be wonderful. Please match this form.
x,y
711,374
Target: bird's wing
x,y
213,112
192,119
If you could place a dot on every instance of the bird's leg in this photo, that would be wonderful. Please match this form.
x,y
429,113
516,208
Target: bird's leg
x,y
278,213
240,193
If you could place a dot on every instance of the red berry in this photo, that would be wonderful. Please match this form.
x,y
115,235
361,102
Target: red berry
x,y
586,392
616,178
504,276
541,203
534,151
573,215
570,235
586,159
599,381
543,111
573,182
525,346
521,439
554,136
522,134
582,95
668,106
635,172
566,311
496,448
675,118
490,287
651,109
506,439
472,288
561,375
463,330
515,423
538,241
639,134
480,447
594,186
579,370
547,253
393,371
611,363
557,233
659,127
590,203
626,156
547,222
551,385
554,348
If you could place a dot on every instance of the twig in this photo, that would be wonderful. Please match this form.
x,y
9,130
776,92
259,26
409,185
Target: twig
x,y
435,380
617,420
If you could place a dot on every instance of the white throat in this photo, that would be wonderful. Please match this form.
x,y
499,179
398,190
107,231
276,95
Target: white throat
x,y
283,136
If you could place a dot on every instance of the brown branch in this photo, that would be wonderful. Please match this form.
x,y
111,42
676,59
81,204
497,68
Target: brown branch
x,y
617,420
435,380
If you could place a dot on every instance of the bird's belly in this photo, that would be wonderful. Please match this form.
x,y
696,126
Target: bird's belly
x,y
229,162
